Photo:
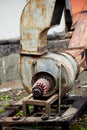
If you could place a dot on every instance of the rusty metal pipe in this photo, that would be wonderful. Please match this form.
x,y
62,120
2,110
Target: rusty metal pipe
x,y
35,22
69,69
37,68
46,68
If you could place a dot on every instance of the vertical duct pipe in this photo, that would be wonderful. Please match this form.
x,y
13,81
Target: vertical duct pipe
x,y
35,22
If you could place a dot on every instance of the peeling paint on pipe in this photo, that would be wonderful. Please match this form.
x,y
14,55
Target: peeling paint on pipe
x,y
35,22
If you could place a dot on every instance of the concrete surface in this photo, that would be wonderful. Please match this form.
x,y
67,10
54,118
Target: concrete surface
x,y
9,68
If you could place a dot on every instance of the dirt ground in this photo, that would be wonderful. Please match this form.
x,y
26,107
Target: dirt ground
x,y
11,92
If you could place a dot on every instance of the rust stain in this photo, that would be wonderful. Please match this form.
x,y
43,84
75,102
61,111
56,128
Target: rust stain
x,y
77,55
63,80
66,68
38,0
64,91
43,36
35,23
30,62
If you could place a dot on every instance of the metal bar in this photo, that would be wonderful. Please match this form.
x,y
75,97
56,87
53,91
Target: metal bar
x,y
59,108
77,107
20,128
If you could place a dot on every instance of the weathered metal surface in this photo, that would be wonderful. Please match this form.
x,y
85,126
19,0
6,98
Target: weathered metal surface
x,y
78,7
27,69
45,103
49,64
79,55
35,22
46,87
79,38
41,87
33,34
74,109
69,70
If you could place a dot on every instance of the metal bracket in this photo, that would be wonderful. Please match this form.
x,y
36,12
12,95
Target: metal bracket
x,y
59,101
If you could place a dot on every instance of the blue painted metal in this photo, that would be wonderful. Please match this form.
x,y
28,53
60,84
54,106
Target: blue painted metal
x,y
49,64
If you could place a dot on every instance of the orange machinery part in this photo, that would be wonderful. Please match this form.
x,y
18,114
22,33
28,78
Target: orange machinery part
x,y
77,7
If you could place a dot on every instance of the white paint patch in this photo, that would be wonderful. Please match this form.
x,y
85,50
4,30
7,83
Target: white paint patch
x,y
58,28
5,89
3,62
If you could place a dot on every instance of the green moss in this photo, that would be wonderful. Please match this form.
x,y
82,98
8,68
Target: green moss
x,y
5,97
6,104
1,111
83,128
20,113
